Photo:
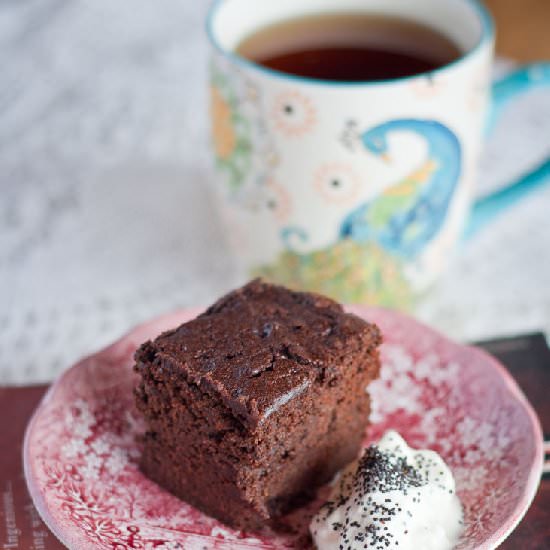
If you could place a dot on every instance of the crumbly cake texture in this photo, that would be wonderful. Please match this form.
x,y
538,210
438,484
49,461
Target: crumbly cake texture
x,y
255,403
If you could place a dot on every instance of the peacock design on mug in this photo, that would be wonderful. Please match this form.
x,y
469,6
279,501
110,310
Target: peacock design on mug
x,y
376,239
407,215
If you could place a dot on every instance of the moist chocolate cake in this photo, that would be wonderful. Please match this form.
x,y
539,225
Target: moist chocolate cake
x,y
255,403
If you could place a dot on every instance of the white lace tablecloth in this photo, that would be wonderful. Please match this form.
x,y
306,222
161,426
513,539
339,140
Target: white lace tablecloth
x,y
105,218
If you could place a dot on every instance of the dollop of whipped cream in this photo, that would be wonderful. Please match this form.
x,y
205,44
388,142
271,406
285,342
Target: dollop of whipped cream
x,y
393,497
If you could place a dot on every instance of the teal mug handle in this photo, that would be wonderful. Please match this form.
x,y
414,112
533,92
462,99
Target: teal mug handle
x,y
504,92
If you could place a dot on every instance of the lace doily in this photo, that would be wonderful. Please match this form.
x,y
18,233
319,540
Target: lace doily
x,y
105,218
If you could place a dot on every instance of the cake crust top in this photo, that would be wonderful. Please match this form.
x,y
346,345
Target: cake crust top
x,y
260,346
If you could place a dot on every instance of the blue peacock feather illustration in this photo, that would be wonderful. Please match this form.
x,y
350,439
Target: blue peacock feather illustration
x,y
407,215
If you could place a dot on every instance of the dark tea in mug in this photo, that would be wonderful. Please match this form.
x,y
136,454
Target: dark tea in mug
x,y
350,47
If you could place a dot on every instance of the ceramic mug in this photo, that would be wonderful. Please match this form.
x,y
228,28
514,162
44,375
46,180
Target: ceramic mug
x,y
356,190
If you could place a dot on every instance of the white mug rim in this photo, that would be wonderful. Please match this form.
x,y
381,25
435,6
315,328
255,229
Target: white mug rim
x,y
487,38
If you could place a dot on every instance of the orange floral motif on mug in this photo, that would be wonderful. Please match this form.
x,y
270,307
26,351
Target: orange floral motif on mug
x,y
293,114
337,182
223,133
278,201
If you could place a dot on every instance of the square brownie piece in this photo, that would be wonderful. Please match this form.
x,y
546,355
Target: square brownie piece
x,y
257,402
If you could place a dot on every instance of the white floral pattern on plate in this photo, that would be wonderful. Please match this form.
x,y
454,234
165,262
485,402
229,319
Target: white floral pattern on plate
x,y
81,452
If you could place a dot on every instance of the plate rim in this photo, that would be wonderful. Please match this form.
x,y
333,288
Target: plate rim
x,y
530,489
535,474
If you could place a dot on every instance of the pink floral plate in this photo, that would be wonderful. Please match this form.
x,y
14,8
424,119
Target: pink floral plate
x,y
81,456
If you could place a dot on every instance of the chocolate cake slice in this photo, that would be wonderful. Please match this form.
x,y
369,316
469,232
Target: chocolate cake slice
x,y
255,403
